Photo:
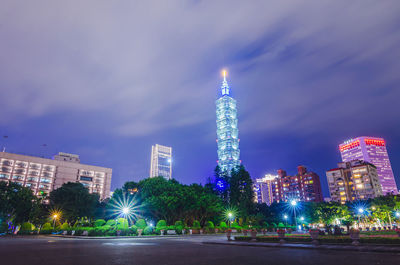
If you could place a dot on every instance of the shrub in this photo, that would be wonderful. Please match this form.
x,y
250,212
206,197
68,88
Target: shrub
x,y
148,230
133,230
46,229
111,222
111,232
141,224
210,225
65,226
27,227
99,222
171,227
105,228
179,223
281,225
122,224
223,225
196,225
161,223
96,231
236,226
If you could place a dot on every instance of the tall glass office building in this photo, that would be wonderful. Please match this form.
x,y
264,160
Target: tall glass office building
x,y
372,150
227,129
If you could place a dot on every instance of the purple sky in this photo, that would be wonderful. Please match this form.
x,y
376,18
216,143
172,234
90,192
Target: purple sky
x,y
107,79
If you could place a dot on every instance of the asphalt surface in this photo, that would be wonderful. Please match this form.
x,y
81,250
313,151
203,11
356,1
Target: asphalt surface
x,y
186,250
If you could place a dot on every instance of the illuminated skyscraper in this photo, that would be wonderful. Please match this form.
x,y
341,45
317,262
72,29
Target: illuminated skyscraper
x,y
161,161
227,129
372,150
265,189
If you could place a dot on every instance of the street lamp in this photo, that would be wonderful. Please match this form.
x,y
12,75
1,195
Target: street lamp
x,y
125,210
285,217
55,216
230,217
293,203
360,212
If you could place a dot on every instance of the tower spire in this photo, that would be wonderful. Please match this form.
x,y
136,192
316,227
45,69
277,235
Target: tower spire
x,y
225,90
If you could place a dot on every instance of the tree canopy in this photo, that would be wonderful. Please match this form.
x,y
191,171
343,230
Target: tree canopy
x,y
74,200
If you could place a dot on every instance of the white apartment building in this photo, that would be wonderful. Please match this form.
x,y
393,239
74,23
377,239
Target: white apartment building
x,y
354,180
42,175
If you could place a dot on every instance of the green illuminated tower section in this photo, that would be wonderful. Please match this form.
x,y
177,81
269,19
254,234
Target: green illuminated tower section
x,y
227,129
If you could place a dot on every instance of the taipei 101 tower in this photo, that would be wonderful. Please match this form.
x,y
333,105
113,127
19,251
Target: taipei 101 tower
x,y
227,129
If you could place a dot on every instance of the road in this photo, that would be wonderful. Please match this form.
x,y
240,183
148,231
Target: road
x,y
42,250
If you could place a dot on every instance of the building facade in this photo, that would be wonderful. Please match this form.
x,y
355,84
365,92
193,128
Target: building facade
x,y
310,185
227,129
43,175
265,189
354,180
161,161
372,150
304,186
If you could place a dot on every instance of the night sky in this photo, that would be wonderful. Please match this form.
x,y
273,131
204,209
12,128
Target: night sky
x,y
107,79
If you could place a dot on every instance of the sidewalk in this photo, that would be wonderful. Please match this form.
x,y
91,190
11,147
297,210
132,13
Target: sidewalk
x,y
362,248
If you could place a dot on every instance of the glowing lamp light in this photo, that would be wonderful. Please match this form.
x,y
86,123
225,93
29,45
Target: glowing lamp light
x,y
125,210
285,216
302,218
293,203
230,215
360,210
398,214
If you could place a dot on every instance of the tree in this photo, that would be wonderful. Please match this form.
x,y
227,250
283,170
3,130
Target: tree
x,y
74,200
17,203
327,213
383,208
241,191
169,200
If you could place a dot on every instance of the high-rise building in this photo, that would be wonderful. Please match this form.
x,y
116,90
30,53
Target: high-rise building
x,y
265,189
227,129
304,186
289,187
354,180
42,175
310,185
372,150
161,161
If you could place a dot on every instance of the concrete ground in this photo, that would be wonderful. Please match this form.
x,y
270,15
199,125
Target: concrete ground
x,y
41,250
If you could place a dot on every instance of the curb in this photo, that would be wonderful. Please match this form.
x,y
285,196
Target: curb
x,y
364,248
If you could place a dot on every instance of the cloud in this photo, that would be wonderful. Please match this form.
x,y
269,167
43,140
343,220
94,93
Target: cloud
x,y
153,66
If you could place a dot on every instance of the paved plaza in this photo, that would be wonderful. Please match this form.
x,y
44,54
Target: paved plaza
x,y
43,250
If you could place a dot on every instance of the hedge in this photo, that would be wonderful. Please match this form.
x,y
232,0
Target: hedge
x,y
99,222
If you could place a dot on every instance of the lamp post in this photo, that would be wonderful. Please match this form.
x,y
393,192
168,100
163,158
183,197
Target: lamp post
x,y
285,217
360,212
293,203
230,217
54,220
